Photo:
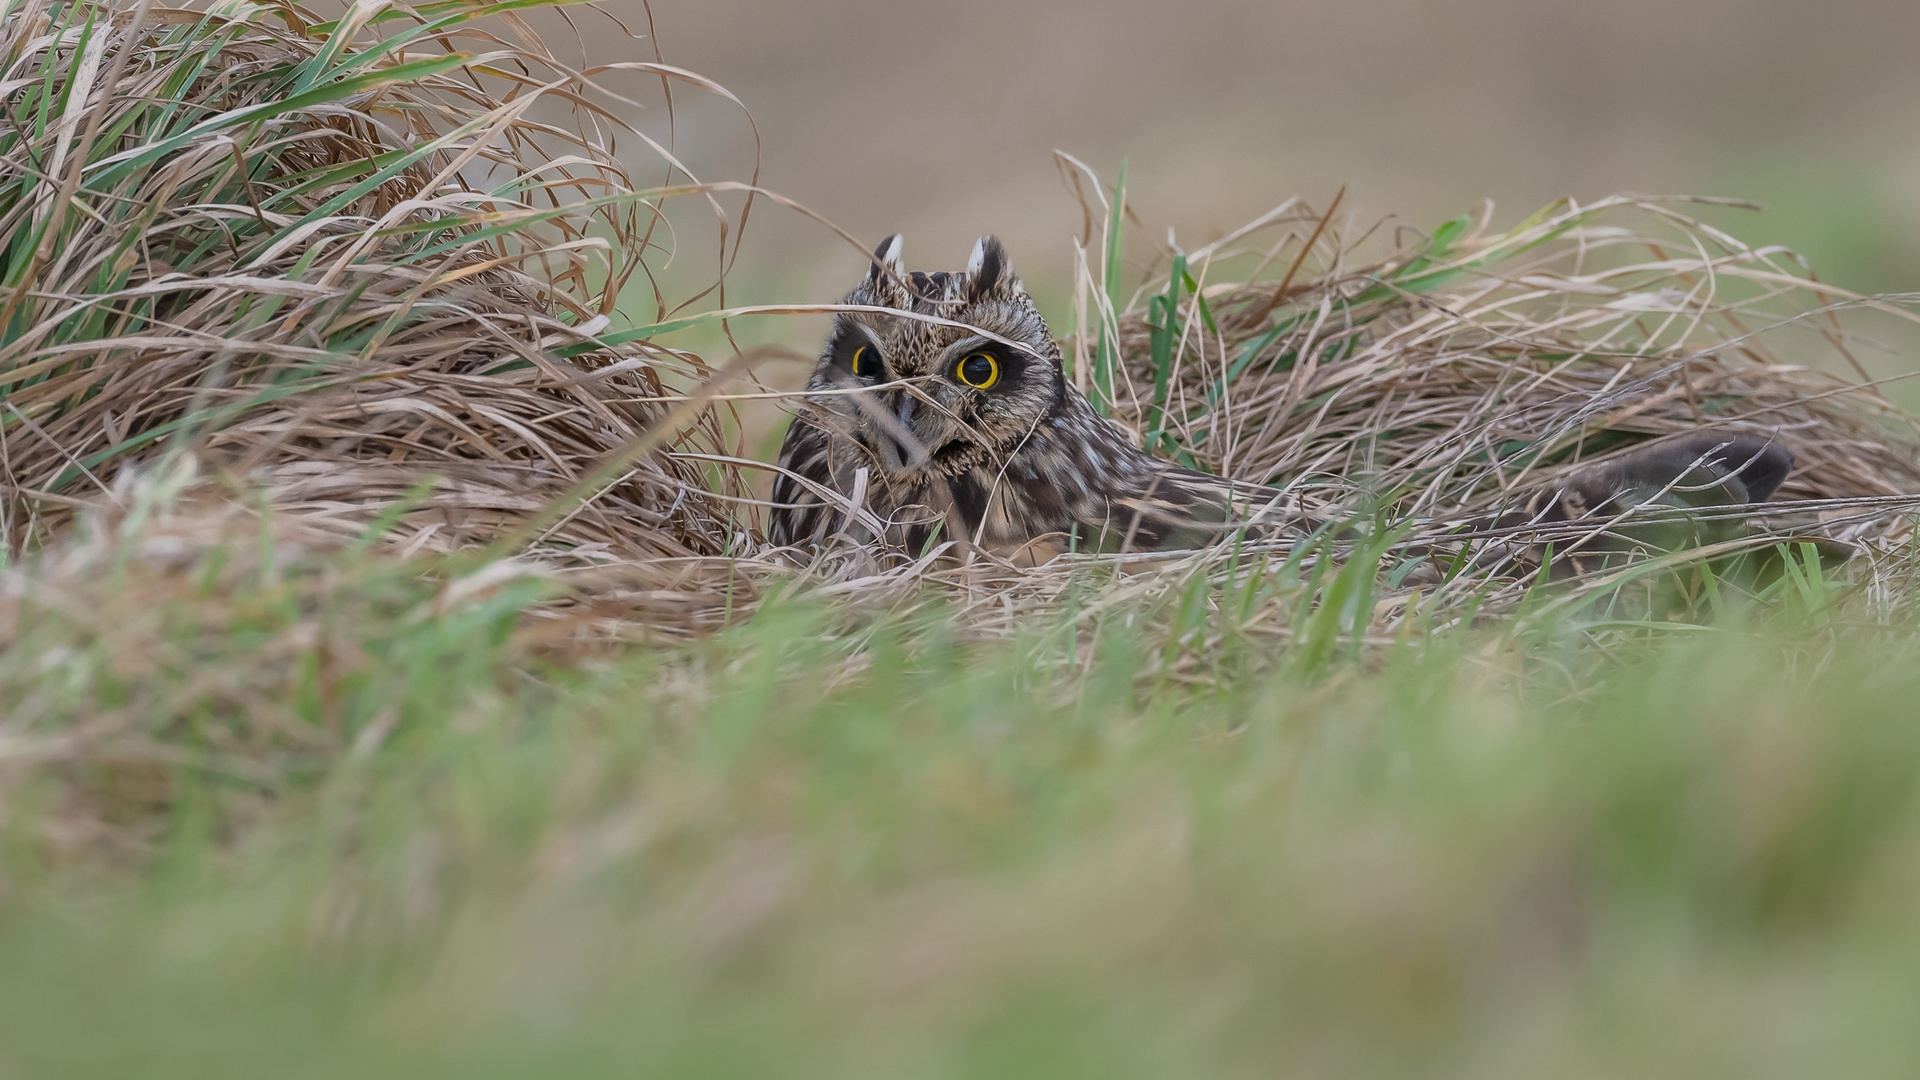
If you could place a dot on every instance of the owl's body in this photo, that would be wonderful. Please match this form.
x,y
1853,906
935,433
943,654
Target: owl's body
x,y
940,410
974,433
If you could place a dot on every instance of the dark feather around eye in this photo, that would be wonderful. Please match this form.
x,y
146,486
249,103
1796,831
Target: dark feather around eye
x,y
855,353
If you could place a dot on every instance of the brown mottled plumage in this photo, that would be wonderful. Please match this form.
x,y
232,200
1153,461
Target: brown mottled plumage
x,y
954,421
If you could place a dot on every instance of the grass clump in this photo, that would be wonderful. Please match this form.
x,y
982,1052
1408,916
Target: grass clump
x,y
1452,370
336,256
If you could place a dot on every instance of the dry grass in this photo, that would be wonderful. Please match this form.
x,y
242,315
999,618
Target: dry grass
x,y
334,258
373,270
1472,363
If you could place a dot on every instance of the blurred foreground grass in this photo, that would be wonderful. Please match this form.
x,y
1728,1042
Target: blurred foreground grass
x,y
811,847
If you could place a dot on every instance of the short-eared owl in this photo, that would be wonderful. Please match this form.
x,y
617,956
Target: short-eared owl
x,y
954,420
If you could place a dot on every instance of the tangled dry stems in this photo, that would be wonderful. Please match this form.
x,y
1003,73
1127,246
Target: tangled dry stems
x,y
1474,363
373,270
335,261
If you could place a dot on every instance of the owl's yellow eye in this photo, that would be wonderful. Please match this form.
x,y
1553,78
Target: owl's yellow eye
x,y
979,371
862,364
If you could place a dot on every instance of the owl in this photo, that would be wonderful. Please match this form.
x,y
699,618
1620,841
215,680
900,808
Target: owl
x,y
940,411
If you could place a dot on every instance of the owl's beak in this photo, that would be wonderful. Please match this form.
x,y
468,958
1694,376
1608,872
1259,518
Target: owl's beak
x,y
899,448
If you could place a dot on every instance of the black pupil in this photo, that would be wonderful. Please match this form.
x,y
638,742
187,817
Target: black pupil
x,y
862,364
977,369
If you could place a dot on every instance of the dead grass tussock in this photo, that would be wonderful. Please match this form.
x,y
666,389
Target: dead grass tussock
x,y
375,265
1469,364
338,257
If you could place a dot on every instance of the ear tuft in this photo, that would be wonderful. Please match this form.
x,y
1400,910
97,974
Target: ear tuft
x,y
887,259
988,271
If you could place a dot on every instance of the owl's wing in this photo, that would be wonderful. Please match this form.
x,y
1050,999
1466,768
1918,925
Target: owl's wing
x,y
1175,509
1698,471
1680,491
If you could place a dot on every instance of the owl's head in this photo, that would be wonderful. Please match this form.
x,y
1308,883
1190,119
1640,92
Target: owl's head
x,y
957,387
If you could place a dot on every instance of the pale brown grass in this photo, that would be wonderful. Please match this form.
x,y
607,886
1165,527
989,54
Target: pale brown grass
x,y
383,273
336,261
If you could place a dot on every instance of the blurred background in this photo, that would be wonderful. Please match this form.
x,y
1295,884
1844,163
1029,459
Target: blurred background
x,y
939,119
